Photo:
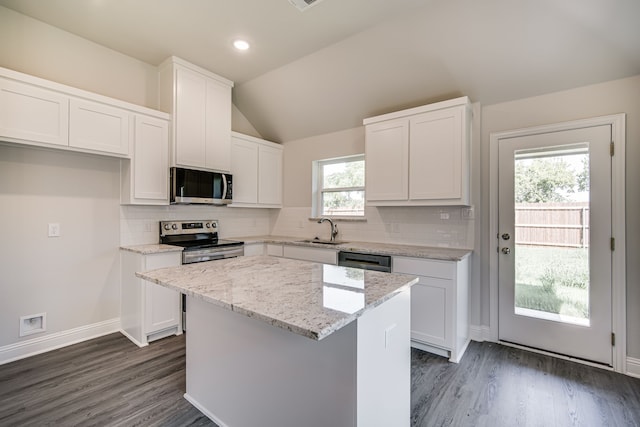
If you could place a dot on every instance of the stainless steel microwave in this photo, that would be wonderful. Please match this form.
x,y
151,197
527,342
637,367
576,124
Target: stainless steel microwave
x,y
189,186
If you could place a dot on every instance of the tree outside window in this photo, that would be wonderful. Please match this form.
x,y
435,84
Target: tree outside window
x,y
340,186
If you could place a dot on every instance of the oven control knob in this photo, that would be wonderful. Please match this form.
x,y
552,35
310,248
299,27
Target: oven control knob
x,y
208,225
213,225
174,226
167,226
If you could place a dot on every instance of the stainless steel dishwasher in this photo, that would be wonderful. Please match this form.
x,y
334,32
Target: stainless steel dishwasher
x,y
365,261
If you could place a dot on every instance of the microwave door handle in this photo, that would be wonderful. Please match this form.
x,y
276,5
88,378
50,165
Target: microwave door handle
x,y
224,186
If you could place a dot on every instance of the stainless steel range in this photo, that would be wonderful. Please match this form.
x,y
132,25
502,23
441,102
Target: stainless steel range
x,y
199,240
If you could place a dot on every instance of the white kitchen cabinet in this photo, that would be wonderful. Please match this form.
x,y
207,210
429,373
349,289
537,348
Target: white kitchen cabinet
x,y
31,114
439,305
254,249
148,311
144,178
420,156
274,249
325,256
256,166
99,127
200,104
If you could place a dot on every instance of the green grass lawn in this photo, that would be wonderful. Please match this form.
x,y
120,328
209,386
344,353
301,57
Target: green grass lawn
x,y
552,279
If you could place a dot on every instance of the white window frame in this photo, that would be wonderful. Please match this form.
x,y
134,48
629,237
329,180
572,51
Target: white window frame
x,y
318,187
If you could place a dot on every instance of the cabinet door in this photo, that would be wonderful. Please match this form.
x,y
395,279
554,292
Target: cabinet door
x,y
274,249
386,148
436,156
190,119
151,163
161,305
270,176
218,116
99,127
31,113
253,249
431,305
244,168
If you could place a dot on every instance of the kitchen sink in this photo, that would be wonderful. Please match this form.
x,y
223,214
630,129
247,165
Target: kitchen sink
x,y
321,242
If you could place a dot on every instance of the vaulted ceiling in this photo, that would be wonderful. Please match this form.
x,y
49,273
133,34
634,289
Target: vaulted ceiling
x,y
325,69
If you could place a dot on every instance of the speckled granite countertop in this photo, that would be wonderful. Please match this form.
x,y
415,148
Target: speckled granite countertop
x,y
444,254
310,299
151,248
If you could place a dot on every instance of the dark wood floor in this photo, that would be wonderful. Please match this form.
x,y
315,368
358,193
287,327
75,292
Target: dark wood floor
x,y
110,382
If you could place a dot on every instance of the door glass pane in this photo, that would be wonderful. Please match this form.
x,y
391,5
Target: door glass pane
x,y
551,193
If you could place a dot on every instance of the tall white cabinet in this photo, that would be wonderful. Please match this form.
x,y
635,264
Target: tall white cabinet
x,y
256,166
420,156
200,104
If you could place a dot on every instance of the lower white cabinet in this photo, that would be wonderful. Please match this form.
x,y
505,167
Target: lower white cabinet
x,y
145,177
325,256
274,249
439,305
254,249
148,311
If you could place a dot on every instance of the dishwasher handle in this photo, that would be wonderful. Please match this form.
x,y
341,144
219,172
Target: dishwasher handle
x,y
365,261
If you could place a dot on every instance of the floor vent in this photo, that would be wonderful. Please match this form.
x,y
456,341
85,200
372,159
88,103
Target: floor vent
x,y
303,5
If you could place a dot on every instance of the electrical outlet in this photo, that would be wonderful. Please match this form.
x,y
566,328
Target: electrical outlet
x,y
54,229
444,215
33,324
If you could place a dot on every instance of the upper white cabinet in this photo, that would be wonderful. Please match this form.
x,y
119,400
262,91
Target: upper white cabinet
x,y
30,113
145,179
99,127
200,104
39,112
419,156
256,166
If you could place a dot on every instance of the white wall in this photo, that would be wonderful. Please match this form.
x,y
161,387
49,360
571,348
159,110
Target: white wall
x,y
39,49
618,96
74,278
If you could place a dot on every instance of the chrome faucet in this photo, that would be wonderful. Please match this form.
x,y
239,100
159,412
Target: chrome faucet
x,y
334,228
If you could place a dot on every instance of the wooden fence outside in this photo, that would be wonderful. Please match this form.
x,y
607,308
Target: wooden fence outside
x,y
553,224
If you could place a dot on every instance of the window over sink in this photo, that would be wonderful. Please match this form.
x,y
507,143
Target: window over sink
x,y
339,187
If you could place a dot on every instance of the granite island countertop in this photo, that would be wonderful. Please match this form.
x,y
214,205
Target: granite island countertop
x,y
310,299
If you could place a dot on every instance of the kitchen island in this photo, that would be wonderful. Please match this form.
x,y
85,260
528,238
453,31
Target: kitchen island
x,y
280,342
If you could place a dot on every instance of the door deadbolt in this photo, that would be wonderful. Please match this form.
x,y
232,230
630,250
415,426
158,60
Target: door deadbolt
x,y
506,251
506,236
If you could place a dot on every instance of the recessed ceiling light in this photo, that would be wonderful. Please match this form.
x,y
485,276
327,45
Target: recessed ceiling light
x,y
241,45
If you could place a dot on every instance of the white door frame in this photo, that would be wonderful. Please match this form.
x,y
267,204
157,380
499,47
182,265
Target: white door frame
x,y
618,265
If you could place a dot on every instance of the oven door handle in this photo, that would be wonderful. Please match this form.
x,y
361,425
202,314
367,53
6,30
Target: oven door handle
x,y
189,257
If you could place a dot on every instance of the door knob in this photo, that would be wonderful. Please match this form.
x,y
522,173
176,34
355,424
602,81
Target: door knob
x,y
506,251
506,236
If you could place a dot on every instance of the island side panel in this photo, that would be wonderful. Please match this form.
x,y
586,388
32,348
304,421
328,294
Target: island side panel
x,y
244,372
384,364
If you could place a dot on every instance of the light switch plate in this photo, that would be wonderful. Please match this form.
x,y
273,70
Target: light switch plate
x,y
54,229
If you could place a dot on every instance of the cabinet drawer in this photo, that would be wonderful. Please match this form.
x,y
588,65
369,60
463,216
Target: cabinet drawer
x,y
326,256
274,250
424,267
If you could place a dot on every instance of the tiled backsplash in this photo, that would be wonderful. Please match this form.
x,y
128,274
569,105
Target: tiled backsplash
x,y
430,226
140,224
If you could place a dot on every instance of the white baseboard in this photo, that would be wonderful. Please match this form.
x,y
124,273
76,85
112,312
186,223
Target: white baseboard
x,y
22,349
132,339
204,410
633,367
480,333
